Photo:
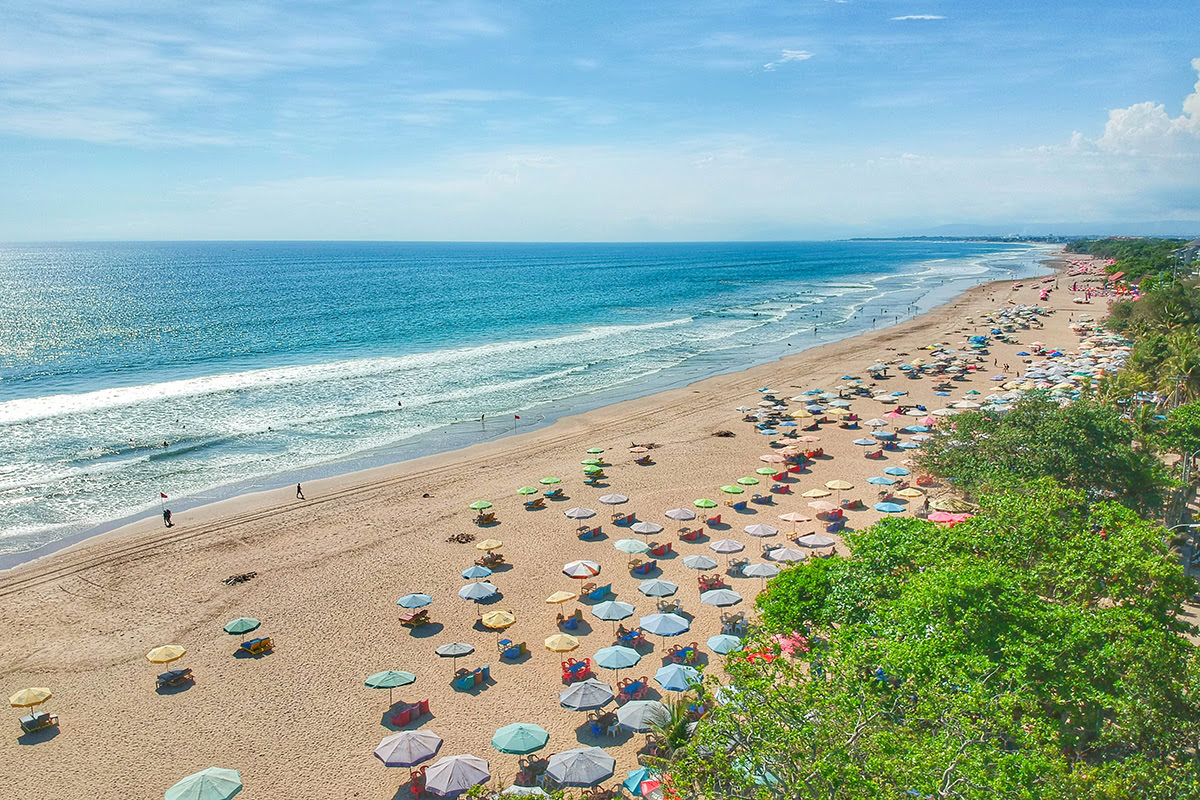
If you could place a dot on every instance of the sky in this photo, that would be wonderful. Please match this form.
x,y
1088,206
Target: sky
x,y
548,120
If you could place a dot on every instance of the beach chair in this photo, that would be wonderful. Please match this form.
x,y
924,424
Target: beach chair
x,y
711,521
708,582
643,568
416,782
624,520
643,460
738,505
691,535
853,505
683,654
630,637
781,488
485,518
571,622
737,565
537,502
573,670
38,721
632,689
553,493
414,617
763,499
661,550
592,480
490,560
733,623
512,652
174,677
818,453
835,526
874,455
668,605
589,534
256,647
593,592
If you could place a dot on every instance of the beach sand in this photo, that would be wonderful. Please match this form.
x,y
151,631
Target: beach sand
x,y
299,723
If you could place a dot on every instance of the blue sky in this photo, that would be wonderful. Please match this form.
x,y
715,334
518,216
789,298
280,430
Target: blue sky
x,y
544,120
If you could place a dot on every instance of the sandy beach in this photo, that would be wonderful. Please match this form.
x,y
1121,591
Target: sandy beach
x,y
299,723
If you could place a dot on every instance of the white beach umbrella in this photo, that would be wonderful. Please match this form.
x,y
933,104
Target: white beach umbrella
x,y
455,774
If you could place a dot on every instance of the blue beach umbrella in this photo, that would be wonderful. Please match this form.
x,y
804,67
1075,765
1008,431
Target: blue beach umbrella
x,y
415,600
657,587
213,783
896,471
723,643
477,591
472,573
612,610
633,783
720,597
866,442
889,508
617,657
883,435
910,445
881,481
664,624
677,677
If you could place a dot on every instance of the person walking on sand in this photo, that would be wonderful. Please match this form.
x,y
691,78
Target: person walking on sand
x,y
299,492
167,517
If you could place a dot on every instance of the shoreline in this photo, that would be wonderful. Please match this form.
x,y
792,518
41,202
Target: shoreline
x,y
330,478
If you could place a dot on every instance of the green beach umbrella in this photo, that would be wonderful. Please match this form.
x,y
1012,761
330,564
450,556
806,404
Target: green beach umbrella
x,y
592,470
550,481
596,450
213,783
591,462
748,481
389,679
241,626
704,502
480,505
631,546
520,738
766,471
732,489
527,490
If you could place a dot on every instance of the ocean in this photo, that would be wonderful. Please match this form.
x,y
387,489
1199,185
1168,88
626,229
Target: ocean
x,y
200,370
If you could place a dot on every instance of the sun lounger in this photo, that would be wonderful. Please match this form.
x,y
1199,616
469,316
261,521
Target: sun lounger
x,y
661,550
174,677
715,520
597,592
416,782
924,480
512,652
553,493
485,518
644,568
537,502
38,721
624,520
256,647
572,621
410,712
414,617
643,460
589,534
874,455
853,505
691,535
763,499
740,505
490,560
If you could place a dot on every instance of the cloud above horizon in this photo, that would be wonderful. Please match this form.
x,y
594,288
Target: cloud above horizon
x,y
1147,129
917,17
788,57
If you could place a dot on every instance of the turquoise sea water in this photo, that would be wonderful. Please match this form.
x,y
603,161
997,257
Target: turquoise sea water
x,y
198,369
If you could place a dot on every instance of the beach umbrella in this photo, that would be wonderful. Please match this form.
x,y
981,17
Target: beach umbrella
x,y
613,499
639,450
527,490
642,716
585,695
592,469
896,471
633,783
415,600
520,738
787,554
732,489
657,587
839,485
817,493
677,677
720,597
612,610
478,591
883,436
889,508
583,766
767,470
550,481
595,450
866,442
561,643
455,774
455,651
951,504
489,545
631,546
213,783
646,528
476,571
664,624
681,514
760,571
760,530
794,517
581,569
408,748
748,481
617,657
498,620
881,481
480,505
723,643
816,540
241,626
726,546
389,679
910,493
591,462
699,562
877,423
561,597
579,513
704,502
28,698
822,506
166,654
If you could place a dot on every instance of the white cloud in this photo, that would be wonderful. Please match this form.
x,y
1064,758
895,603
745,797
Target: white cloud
x,y
787,57
917,16
1146,129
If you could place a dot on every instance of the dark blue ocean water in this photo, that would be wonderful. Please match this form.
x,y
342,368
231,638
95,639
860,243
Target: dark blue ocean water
x,y
256,360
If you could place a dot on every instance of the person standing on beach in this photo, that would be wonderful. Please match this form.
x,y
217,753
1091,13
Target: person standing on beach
x,y
299,492
167,517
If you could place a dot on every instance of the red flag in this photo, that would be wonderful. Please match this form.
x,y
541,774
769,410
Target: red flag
x,y
516,416
164,497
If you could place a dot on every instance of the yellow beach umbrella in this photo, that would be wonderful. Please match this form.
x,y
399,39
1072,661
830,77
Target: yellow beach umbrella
x,y
839,485
498,620
838,412
489,544
801,414
816,493
165,654
910,493
27,698
561,643
561,597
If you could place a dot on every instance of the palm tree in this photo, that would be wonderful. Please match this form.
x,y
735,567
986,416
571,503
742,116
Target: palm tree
x,y
672,735
1181,370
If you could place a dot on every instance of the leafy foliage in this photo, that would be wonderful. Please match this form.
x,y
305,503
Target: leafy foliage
x,y
1085,445
1134,257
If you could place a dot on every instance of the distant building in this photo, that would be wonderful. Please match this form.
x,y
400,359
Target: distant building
x,y
1189,253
